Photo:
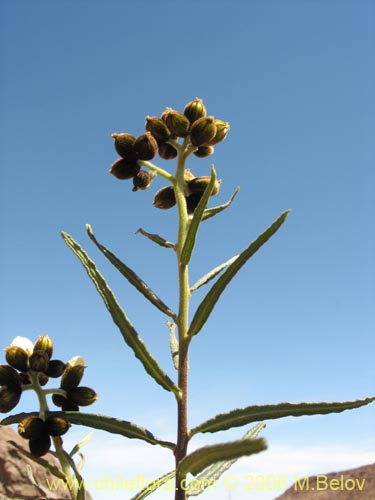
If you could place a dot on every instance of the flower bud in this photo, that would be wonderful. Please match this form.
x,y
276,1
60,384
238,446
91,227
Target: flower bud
x,y
55,368
124,144
195,110
39,447
44,343
18,358
203,131
192,202
165,198
58,400
204,151
157,127
31,428
72,375
222,129
42,378
177,123
142,180
145,146
82,396
167,152
199,184
188,175
9,376
125,168
9,397
56,426
39,361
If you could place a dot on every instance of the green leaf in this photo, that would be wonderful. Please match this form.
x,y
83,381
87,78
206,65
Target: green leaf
x,y
206,306
191,236
212,274
173,344
244,416
32,479
101,422
199,459
81,443
81,493
210,212
210,475
128,331
132,277
155,485
156,239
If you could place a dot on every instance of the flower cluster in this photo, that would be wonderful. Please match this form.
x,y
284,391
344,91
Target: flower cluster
x,y
30,366
200,134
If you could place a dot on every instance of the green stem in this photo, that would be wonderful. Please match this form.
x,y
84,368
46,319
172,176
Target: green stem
x,y
158,170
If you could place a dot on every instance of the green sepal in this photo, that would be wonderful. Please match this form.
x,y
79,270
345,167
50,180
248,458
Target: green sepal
x,y
156,238
244,416
154,486
101,422
132,277
200,459
128,331
215,471
212,274
210,212
191,236
208,303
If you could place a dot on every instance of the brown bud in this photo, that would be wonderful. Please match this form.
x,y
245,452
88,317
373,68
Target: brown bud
x,y
39,447
55,368
125,168
157,127
57,426
177,123
72,376
195,110
18,358
124,144
9,376
39,361
199,184
222,129
142,180
145,146
165,198
31,428
82,396
203,131
58,400
9,397
204,151
192,202
167,152
42,378
44,343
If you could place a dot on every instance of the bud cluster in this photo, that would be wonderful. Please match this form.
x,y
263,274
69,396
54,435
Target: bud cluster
x,y
200,133
30,367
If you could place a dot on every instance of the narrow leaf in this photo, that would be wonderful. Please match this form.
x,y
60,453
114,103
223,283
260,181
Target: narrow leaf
x,y
101,422
32,479
206,306
155,485
128,331
212,274
132,277
173,344
81,493
191,236
199,459
210,212
156,238
210,475
81,443
244,416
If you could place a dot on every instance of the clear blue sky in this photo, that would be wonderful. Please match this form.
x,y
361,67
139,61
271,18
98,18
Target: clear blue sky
x,y
295,79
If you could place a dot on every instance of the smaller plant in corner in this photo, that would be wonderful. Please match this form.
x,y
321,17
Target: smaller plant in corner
x,y
176,136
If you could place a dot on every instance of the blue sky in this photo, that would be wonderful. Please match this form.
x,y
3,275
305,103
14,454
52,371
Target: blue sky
x,y
295,79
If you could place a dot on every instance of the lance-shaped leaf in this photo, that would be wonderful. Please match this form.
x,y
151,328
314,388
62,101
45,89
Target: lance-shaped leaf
x,y
173,344
101,422
212,274
32,480
200,459
191,236
131,276
210,475
76,448
244,416
208,303
210,212
156,238
128,331
80,483
153,486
